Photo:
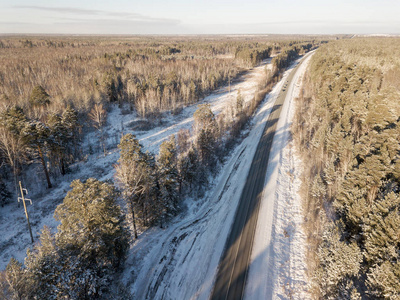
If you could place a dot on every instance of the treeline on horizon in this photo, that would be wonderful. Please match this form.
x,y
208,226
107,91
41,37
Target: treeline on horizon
x,y
347,129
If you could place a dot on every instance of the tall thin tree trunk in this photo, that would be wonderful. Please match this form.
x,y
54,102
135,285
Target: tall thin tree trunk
x,y
103,142
134,221
44,168
62,166
15,180
144,215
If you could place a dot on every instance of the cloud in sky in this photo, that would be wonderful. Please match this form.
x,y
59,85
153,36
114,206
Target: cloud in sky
x,y
73,20
100,13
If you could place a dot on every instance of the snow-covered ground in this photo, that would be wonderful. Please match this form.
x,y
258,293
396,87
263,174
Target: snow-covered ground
x,y
180,261
14,235
278,265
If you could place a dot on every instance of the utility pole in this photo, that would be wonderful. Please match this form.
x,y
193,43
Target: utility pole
x,y
26,211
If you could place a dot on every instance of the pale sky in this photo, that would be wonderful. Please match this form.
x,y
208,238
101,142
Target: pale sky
x,y
200,17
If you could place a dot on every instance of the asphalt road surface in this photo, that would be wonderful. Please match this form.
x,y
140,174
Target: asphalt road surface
x,y
234,263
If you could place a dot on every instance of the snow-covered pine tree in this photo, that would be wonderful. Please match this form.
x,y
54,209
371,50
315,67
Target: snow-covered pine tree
x,y
12,143
188,166
207,148
135,172
39,97
59,142
91,238
339,265
16,281
43,268
37,136
206,135
39,100
383,280
168,177
382,249
69,120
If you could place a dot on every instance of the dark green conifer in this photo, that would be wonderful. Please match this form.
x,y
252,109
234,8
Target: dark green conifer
x,y
168,176
39,97
37,137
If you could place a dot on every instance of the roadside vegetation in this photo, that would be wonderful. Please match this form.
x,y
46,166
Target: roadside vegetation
x,y
347,131
53,92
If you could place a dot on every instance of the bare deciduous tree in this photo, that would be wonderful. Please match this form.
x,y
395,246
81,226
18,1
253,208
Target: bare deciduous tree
x,y
99,117
13,148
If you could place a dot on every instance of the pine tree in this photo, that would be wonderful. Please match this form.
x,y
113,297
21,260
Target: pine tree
x,y
43,268
339,264
91,238
207,147
383,280
168,176
204,118
382,231
188,167
129,149
58,142
37,136
92,221
206,139
39,96
16,280
69,120
12,142
136,173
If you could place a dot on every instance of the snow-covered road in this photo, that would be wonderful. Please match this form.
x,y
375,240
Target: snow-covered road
x,y
278,266
180,262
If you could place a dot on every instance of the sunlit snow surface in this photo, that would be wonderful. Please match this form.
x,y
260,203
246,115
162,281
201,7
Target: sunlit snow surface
x,y
180,261
278,264
14,235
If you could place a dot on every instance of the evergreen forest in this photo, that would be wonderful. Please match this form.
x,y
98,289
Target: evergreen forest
x,y
347,132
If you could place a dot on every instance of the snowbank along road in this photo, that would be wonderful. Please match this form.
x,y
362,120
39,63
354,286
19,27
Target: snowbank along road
x,y
234,265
